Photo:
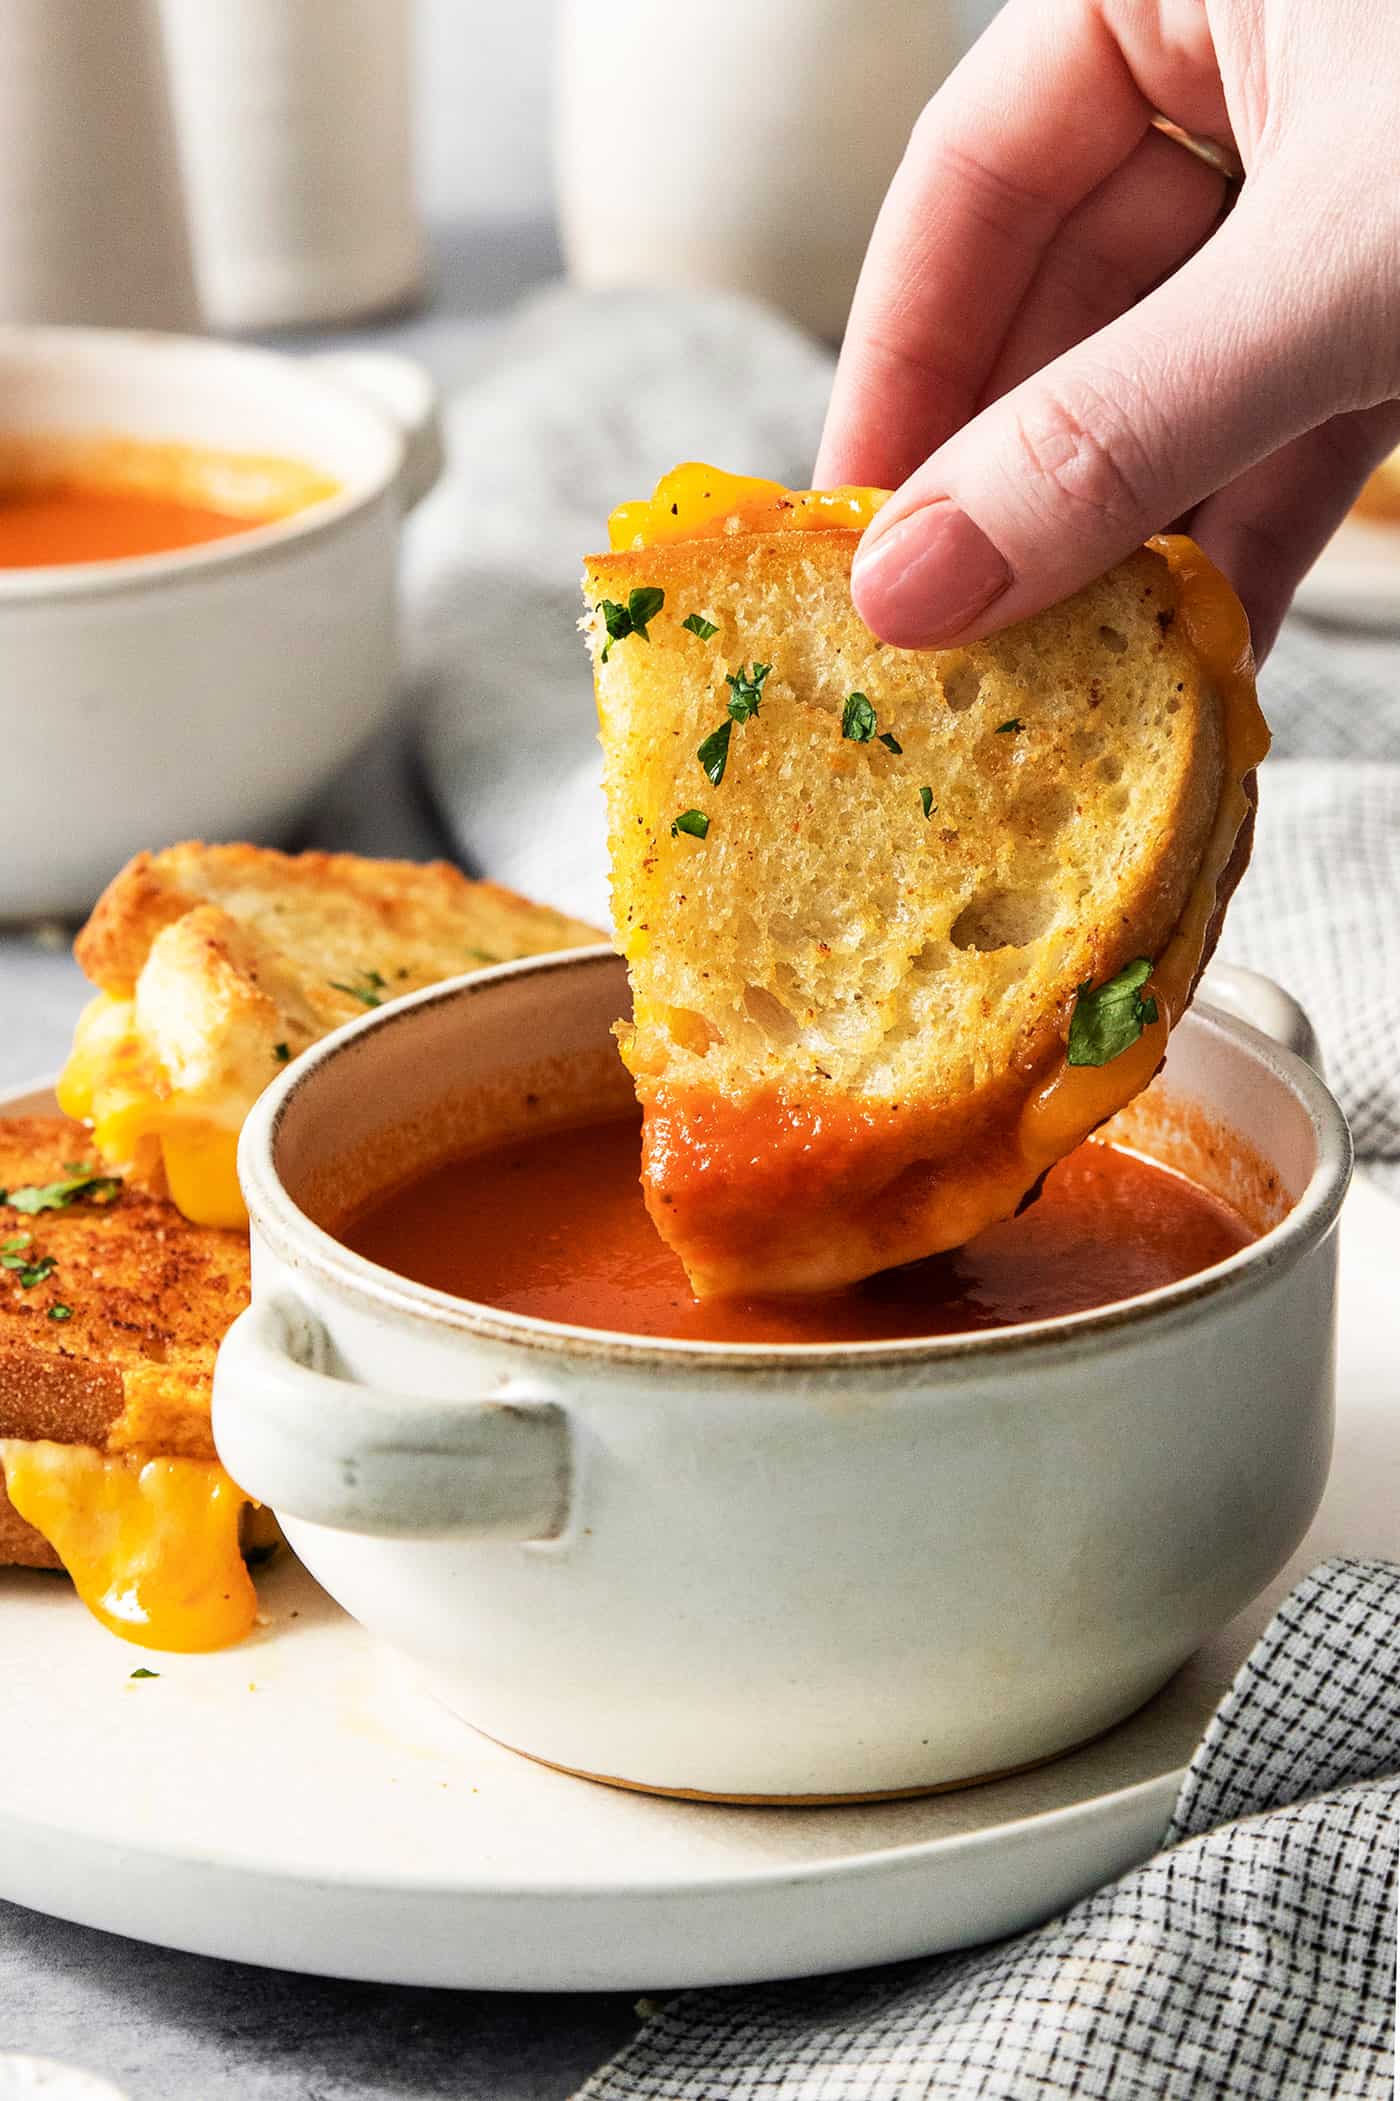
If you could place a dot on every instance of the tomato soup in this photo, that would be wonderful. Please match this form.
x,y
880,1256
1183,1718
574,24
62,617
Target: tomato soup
x,y
554,1225
69,500
40,527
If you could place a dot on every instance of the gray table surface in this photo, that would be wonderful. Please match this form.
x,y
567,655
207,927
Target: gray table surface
x,y
170,2027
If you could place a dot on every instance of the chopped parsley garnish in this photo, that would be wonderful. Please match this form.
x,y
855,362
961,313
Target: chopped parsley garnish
x,y
60,1312
858,719
927,802
713,754
1011,728
1109,1021
57,1196
745,691
890,742
141,1672
281,1052
367,990
695,822
30,1270
697,624
641,608
483,955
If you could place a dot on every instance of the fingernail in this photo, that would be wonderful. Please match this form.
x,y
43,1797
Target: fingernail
x,y
928,577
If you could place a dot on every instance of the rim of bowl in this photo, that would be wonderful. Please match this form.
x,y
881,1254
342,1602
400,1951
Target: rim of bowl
x,y
255,542
296,1238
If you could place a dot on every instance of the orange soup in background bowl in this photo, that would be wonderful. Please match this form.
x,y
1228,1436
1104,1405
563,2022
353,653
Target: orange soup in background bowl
x,y
108,499
198,555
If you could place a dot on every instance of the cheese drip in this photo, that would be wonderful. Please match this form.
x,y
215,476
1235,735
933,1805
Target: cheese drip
x,y
696,502
139,1124
152,1545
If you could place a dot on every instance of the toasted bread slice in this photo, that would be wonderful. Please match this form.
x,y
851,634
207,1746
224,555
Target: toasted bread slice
x,y
112,1307
853,990
217,964
113,1345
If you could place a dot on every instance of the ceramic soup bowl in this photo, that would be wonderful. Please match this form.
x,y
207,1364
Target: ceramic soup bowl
x,y
207,690
751,1571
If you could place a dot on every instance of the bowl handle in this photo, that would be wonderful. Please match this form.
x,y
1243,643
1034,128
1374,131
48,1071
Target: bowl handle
x,y
405,395
337,1453
1249,996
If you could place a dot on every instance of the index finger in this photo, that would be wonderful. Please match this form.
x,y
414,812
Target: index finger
x,y
1041,110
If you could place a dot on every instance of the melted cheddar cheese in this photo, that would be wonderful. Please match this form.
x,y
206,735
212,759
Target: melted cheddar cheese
x,y
152,1544
696,502
138,1121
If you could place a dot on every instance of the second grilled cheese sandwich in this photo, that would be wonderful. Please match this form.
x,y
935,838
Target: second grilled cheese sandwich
x,y
218,964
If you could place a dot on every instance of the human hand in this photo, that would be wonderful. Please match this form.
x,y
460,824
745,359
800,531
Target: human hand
x,y
1058,344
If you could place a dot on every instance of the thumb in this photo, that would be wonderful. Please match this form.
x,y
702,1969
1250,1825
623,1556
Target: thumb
x,y
1237,353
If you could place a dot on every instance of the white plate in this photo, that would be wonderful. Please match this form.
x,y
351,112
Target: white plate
x,y
1356,578
299,1801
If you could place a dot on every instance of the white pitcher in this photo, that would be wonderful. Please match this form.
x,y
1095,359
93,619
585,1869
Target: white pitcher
x,y
92,220
295,133
740,146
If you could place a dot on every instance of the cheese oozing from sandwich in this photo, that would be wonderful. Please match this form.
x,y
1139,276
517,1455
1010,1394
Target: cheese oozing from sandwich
x,y
799,1130
114,1081
152,1543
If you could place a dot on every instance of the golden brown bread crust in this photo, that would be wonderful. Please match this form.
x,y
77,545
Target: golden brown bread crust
x,y
149,1298
396,908
131,911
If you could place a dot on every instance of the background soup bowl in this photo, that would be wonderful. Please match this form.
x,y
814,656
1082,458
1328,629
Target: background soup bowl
x,y
757,1571
208,690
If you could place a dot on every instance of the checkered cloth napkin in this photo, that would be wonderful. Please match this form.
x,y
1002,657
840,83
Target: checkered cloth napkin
x,y
1251,1960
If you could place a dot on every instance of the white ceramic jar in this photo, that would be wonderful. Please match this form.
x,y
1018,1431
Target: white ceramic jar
x,y
203,692
92,211
749,1571
295,128
743,148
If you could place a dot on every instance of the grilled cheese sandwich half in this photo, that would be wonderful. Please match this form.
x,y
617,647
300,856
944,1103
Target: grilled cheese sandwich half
x,y
902,927
218,964
112,1307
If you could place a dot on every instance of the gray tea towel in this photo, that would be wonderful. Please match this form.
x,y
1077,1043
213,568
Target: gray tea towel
x,y
1251,1960
590,398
